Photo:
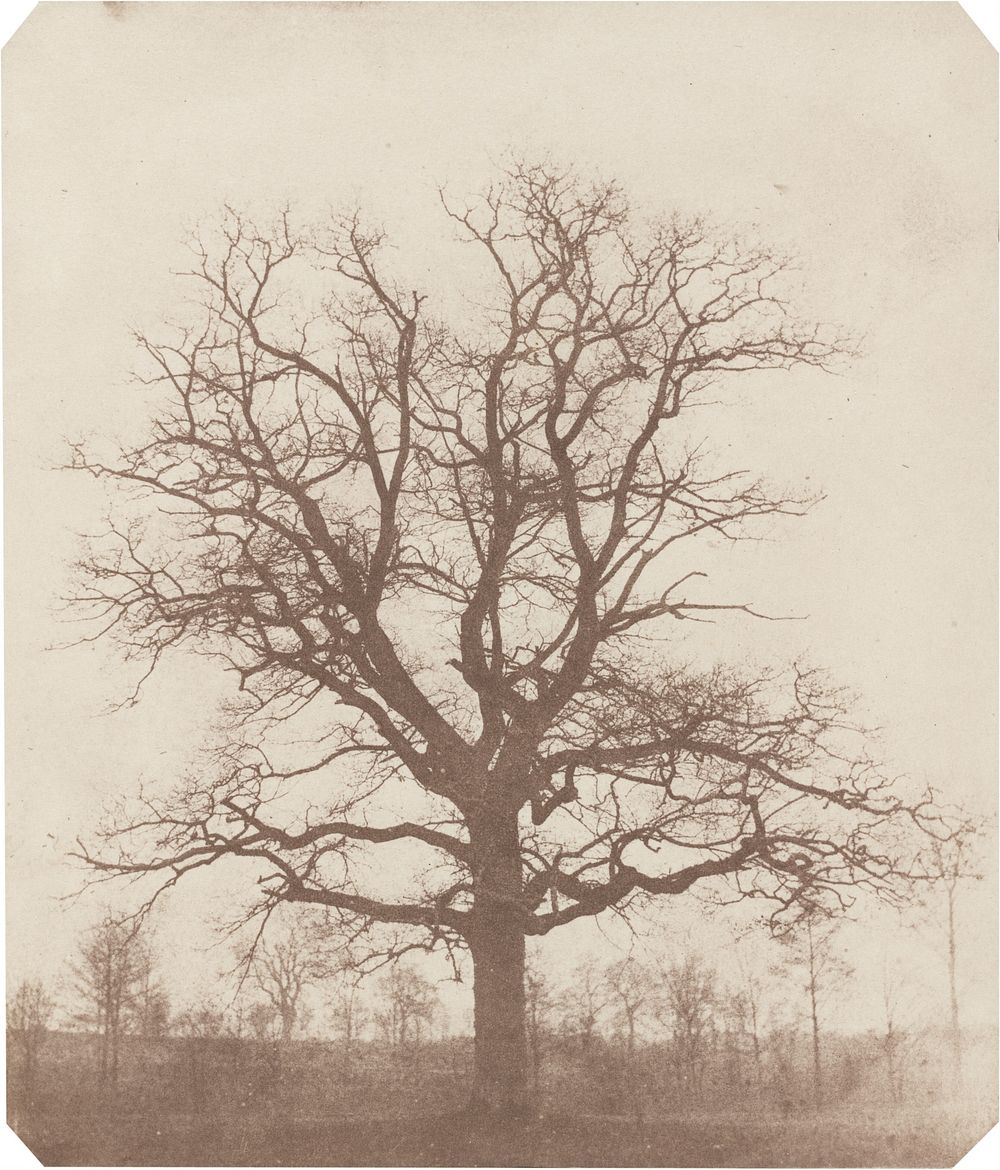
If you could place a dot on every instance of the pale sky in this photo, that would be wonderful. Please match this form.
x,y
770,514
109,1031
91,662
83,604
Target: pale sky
x,y
859,137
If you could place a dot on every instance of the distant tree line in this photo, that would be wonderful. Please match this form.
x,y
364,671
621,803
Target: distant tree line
x,y
751,1025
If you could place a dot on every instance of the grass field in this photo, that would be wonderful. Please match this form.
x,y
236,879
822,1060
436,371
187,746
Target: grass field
x,y
455,1140
224,1102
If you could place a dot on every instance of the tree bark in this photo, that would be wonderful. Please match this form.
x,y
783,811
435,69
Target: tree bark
x,y
496,941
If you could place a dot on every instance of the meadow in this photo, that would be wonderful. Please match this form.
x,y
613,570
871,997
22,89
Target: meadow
x,y
183,1101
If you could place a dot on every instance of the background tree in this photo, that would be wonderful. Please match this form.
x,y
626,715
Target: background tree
x,y
282,969
411,1003
262,1021
690,1001
950,865
151,1005
582,1004
348,1014
203,1028
817,957
632,992
747,1002
203,1022
113,968
29,1013
897,1044
540,1001
430,545
631,986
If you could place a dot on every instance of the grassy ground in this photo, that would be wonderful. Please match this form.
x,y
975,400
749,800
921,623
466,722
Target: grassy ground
x,y
235,1103
561,1140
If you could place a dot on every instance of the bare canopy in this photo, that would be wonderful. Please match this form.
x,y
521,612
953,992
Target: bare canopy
x,y
447,553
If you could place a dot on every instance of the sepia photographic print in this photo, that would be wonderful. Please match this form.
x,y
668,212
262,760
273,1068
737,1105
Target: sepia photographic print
x,y
500,584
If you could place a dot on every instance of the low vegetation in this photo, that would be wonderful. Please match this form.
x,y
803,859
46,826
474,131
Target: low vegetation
x,y
694,1083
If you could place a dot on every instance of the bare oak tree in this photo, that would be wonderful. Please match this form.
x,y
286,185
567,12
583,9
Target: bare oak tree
x,y
446,551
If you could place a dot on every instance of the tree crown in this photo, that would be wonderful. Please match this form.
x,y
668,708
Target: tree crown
x,y
446,554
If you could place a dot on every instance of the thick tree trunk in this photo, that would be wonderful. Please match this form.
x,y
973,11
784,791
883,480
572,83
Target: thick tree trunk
x,y
500,1078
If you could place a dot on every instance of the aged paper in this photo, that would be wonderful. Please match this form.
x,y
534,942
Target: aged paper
x,y
501,580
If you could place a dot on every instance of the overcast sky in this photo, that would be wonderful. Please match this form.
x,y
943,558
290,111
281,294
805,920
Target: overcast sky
x,y
859,137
